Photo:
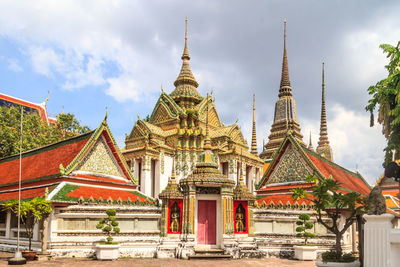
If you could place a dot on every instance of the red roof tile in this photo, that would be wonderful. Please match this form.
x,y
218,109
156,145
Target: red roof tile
x,y
347,180
41,162
105,193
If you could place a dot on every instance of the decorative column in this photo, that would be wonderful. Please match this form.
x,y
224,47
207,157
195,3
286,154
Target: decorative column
x,y
377,230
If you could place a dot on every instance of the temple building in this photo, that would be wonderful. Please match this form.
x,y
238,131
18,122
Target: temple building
x,y
175,133
288,162
81,177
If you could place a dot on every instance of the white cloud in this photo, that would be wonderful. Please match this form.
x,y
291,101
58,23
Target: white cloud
x,y
13,65
355,145
123,89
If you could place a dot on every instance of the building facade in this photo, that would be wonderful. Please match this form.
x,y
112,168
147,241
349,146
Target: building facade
x,y
175,133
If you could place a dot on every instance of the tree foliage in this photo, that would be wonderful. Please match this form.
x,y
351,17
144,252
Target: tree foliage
x,y
109,225
328,200
386,97
31,213
304,224
36,133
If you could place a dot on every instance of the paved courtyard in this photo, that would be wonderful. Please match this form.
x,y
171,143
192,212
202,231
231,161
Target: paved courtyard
x,y
163,262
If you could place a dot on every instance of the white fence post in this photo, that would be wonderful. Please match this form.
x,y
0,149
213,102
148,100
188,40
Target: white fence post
x,y
377,247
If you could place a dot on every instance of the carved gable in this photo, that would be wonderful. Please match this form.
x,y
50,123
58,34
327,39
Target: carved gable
x,y
160,114
136,132
238,137
100,160
291,167
213,118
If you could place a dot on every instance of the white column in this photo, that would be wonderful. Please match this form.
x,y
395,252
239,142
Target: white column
x,y
8,225
377,230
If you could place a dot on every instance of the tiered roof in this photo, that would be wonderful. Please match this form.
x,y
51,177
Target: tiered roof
x,y
289,168
86,167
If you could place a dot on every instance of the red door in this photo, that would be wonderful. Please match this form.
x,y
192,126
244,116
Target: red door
x,y
206,222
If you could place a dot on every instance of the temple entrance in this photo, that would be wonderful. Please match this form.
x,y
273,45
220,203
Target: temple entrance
x,y
207,222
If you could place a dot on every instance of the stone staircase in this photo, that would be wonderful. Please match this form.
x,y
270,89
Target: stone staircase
x,y
167,248
248,248
209,254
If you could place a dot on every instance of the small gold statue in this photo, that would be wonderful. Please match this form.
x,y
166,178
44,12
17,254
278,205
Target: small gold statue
x,y
175,218
240,219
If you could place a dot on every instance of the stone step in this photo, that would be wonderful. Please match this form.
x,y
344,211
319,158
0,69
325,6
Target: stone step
x,y
209,251
210,257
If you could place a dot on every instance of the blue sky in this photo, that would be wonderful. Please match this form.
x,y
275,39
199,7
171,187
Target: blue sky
x,y
117,54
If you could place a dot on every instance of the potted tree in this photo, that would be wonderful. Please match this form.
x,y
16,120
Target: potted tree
x,y
108,250
31,212
305,251
327,199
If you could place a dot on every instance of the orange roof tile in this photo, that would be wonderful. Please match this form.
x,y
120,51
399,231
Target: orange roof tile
x,y
41,162
345,178
25,194
105,193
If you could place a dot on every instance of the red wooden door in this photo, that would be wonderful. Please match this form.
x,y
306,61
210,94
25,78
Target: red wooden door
x,y
207,222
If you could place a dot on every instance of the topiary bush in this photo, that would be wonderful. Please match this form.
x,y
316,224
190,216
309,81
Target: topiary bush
x,y
109,225
303,225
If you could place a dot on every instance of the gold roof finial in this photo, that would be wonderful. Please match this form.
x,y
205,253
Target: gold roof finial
x,y
185,54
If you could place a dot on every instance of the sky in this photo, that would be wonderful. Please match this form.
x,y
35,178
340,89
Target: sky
x,y
118,54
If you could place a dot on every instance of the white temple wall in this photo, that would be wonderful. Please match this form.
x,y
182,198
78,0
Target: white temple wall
x,y
275,232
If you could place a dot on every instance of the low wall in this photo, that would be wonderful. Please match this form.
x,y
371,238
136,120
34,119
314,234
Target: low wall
x,y
381,241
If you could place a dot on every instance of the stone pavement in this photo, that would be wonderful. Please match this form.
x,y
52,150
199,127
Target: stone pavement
x,y
163,262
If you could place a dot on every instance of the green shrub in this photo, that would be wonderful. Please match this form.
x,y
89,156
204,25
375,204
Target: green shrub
x,y
109,225
331,256
304,225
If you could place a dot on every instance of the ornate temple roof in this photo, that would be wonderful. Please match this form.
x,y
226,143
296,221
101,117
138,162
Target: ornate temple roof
x,y
323,147
293,163
39,109
185,93
285,117
77,168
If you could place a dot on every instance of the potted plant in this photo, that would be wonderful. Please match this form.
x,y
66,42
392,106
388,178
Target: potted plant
x,y
327,199
305,251
31,212
108,250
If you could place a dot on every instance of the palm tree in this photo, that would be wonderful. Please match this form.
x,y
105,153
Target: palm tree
x,y
386,95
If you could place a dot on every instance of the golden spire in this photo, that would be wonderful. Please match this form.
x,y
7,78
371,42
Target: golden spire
x,y
207,140
185,54
253,136
310,146
323,147
185,93
285,89
173,177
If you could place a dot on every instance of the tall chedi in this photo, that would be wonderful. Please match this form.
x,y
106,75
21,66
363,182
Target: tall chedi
x,y
254,136
185,93
285,118
323,148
